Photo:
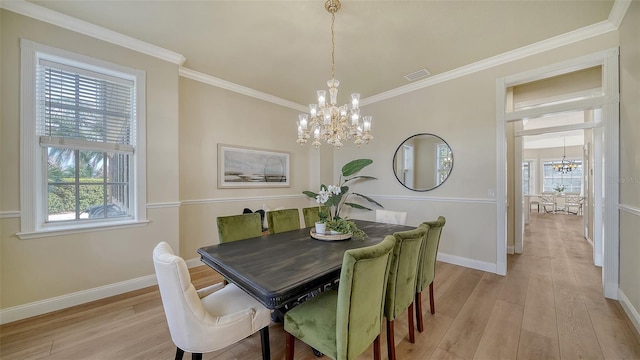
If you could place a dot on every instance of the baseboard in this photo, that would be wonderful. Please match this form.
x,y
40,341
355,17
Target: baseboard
x,y
81,297
195,262
469,263
632,312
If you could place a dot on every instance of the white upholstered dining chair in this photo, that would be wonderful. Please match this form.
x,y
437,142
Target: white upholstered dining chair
x,y
391,217
208,319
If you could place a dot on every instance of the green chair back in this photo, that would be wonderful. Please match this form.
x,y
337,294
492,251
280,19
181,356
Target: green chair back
x,y
283,220
311,216
342,324
403,272
239,227
429,252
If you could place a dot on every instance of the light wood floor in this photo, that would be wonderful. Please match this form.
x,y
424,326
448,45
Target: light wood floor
x,y
549,306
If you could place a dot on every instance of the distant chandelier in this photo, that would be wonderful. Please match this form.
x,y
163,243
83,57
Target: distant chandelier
x,y
565,165
326,120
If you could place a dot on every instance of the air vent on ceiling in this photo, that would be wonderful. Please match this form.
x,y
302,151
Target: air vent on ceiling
x,y
417,75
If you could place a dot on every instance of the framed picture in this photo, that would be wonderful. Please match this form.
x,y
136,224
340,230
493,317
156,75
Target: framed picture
x,y
244,167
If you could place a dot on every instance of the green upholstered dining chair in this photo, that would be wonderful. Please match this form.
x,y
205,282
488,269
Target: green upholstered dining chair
x,y
283,220
239,227
343,323
402,282
427,262
311,216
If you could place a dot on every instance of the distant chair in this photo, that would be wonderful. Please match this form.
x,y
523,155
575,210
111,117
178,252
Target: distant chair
x,y
427,271
342,324
548,198
239,227
391,217
311,216
283,220
573,200
401,286
208,319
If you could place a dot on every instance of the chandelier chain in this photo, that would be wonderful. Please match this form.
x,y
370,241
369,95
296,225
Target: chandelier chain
x,y
333,46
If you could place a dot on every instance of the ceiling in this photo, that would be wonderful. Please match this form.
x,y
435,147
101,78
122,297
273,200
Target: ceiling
x,y
283,48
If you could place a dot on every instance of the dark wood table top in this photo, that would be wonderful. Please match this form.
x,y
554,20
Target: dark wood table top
x,y
277,269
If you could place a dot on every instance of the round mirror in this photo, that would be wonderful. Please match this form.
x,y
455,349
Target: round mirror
x,y
423,162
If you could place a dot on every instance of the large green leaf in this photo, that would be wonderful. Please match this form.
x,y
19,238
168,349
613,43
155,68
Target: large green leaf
x,y
357,206
354,166
310,194
361,177
369,199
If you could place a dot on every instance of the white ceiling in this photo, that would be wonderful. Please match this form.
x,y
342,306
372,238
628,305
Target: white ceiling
x,y
282,48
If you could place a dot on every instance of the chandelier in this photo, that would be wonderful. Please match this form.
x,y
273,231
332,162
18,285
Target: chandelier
x,y
565,165
328,122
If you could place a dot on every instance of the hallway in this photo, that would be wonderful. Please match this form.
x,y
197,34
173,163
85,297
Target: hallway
x,y
565,310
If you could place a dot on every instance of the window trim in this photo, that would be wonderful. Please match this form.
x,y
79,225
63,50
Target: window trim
x,y
33,170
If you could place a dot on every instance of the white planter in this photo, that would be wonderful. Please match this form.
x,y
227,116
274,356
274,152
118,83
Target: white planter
x,y
320,227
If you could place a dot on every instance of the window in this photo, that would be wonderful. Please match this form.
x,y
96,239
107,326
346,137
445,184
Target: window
x,y
526,177
82,124
568,182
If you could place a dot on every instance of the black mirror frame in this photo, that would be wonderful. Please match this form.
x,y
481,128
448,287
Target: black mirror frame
x,y
395,154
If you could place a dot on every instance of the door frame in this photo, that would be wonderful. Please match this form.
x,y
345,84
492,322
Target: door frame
x,y
607,200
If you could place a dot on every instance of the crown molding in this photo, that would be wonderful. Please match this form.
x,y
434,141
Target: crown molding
x,y
25,8
618,11
224,84
70,23
507,57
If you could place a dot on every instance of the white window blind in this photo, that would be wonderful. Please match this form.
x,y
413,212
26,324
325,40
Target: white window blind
x,y
82,109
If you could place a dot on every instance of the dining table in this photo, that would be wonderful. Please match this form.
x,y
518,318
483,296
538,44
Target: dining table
x,y
284,269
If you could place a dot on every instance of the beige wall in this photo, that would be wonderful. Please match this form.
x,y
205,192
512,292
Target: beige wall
x,y
463,112
630,157
47,267
210,116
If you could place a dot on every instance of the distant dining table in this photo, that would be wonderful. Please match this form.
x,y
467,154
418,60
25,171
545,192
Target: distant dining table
x,y
282,270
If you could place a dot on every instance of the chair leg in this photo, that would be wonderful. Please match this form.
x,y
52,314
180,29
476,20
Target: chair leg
x,y
179,353
412,332
376,348
264,341
431,302
391,344
196,356
289,343
418,302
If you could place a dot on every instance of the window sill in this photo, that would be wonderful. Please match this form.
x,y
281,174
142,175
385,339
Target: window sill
x,y
67,230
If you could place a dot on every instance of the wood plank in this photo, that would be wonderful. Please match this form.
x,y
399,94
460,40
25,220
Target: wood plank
x,y
464,335
537,347
456,295
540,310
577,336
616,339
502,334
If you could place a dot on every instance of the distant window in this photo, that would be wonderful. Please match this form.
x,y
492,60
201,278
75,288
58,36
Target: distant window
x,y
526,177
553,179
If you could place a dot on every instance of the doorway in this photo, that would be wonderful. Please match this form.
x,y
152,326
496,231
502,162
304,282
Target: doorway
x,y
604,97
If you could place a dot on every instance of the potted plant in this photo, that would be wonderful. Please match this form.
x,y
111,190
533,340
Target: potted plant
x,y
334,197
559,188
